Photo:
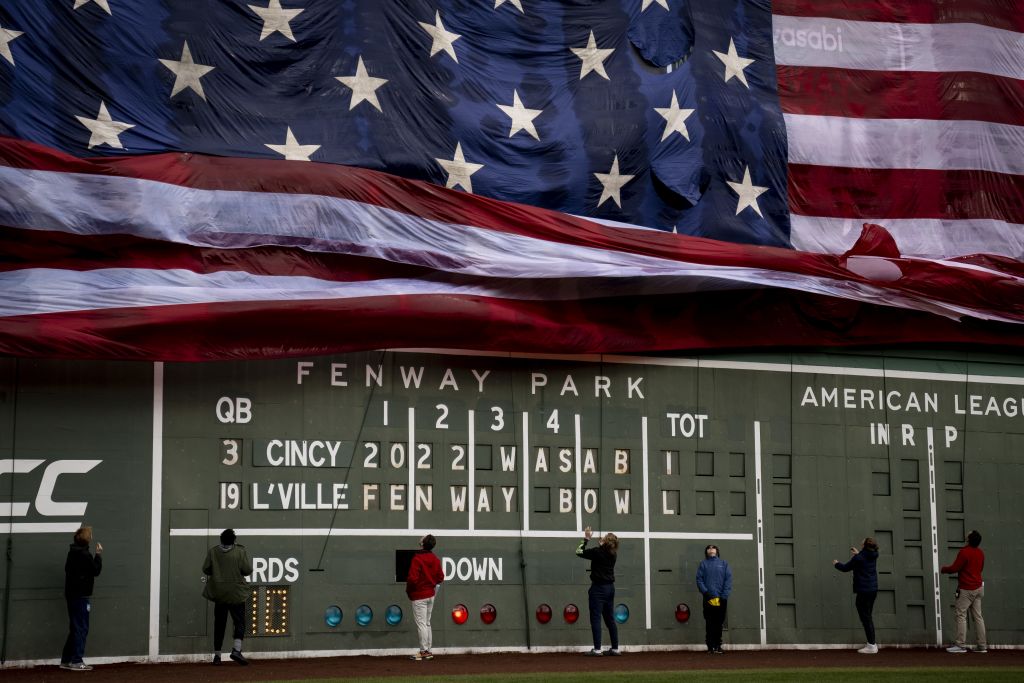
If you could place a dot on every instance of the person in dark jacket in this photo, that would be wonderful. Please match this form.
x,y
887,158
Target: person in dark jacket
x,y
80,569
714,581
226,567
602,588
425,575
863,564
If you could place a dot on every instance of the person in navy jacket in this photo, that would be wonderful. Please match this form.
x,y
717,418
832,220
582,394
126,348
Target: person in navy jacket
x,y
863,564
714,580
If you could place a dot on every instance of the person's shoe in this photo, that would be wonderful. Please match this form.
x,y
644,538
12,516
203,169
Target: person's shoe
x,y
718,651
422,654
593,653
612,652
956,650
80,666
428,655
216,658
869,649
981,649
236,656
65,665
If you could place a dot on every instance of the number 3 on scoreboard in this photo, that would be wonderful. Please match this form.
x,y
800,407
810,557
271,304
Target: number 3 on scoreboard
x,y
232,451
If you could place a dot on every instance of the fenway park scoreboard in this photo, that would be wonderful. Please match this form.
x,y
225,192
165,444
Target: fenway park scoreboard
x,y
327,467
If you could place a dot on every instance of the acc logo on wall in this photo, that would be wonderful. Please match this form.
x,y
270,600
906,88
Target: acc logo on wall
x,y
43,503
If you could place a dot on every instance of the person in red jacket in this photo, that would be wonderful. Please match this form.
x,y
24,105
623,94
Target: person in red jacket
x,y
425,575
970,588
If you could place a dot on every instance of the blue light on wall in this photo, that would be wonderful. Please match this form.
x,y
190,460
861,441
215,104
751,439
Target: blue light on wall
x,y
364,615
332,616
393,615
621,613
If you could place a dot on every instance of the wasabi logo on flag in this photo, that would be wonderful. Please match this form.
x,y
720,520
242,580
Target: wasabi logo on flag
x,y
820,38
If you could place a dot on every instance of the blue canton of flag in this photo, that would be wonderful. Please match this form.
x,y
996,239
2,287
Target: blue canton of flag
x,y
563,105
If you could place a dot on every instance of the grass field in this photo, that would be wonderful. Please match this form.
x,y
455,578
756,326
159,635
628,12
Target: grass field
x,y
974,674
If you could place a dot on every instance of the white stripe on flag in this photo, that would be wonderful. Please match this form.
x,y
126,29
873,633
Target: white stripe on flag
x,y
105,205
904,143
43,290
932,238
883,46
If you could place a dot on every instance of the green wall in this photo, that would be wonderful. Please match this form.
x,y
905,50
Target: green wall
x,y
842,440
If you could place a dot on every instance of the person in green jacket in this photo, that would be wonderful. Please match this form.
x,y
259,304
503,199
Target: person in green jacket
x,y
226,567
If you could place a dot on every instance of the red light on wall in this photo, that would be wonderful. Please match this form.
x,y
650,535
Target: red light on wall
x,y
544,613
488,614
682,613
460,614
571,613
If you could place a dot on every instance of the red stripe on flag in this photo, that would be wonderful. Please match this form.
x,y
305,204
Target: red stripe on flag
x,y
265,329
1004,14
966,96
904,193
58,250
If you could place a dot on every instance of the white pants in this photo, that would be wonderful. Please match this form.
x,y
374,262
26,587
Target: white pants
x,y
421,611
970,600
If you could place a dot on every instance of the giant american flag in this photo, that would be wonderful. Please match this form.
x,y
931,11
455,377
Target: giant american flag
x,y
200,179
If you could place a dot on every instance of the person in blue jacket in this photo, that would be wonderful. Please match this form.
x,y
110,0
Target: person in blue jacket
x,y
864,565
714,580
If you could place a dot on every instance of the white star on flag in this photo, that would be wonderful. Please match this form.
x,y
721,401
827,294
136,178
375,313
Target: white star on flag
x,y
648,3
612,182
459,170
675,118
363,85
6,36
101,3
518,4
292,150
443,39
187,73
276,18
748,193
734,64
103,130
522,118
593,57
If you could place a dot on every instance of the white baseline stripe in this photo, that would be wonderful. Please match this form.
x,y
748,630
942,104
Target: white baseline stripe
x,y
925,237
478,533
490,649
883,46
905,143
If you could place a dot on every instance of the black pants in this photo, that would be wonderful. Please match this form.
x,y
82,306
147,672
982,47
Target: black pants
x,y
714,619
78,630
220,622
865,603
602,595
